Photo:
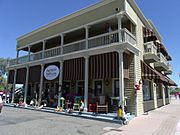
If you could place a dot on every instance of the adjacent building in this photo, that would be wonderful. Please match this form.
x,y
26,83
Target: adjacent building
x,y
108,49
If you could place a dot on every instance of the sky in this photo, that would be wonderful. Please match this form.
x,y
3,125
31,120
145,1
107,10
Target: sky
x,y
18,17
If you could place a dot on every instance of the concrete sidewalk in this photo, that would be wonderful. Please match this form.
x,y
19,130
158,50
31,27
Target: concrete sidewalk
x,y
162,121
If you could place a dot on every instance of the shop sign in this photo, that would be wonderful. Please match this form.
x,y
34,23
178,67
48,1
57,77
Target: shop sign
x,y
51,72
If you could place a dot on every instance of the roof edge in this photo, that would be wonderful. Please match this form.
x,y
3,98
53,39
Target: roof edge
x,y
67,17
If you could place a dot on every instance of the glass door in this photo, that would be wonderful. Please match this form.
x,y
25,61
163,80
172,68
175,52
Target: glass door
x,y
98,87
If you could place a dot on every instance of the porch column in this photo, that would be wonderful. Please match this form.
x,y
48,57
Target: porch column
x,y
87,35
6,87
14,85
26,85
86,83
155,95
121,79
62,43
119,27
43,49
29,53
41,82
17,56
60,82
163,93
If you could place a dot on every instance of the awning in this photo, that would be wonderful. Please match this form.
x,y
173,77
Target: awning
x,y
171,82
161,48
148,72
149,35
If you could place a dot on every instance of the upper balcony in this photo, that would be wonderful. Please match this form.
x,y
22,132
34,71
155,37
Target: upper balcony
x,y
162,64
103,34
169,71
150,52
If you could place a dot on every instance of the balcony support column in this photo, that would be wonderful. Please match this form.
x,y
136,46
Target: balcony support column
x,y
86,83
119,17
60,82
26,84
17,56
87,35
29,53
43,49
163,94
14,86
62,42
41,82
121,80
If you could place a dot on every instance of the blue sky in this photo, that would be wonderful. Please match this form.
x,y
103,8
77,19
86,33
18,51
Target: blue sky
x,y
18,17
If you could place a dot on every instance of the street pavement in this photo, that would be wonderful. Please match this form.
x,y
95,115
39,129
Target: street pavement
x,y
16,121
162,121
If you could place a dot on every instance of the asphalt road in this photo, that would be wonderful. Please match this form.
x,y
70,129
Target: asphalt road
x,y
15,121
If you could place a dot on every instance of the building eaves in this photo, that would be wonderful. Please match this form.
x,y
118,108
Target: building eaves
x,y
67,17
155,30
139,13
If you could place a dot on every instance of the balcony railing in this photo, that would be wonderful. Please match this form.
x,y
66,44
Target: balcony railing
x,y
23,59
100,40
36,56
75,46
103,39
169,66
12,62
162,58
150,48
128,36
52,52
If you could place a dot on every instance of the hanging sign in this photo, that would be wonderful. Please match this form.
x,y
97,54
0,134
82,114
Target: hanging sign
x,y
51,72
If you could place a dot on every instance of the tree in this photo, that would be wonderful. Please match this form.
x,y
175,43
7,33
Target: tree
x,y
3,65
173,91
3,72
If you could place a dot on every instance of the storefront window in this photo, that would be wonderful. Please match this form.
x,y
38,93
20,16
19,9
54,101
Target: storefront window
x,y
147,87
159,91
166,92
116,88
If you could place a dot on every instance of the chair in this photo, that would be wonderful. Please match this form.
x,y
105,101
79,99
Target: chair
x,y
77,102
92,107
68,104
102,106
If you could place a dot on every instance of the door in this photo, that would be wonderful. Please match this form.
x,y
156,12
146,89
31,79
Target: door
x,y
98,88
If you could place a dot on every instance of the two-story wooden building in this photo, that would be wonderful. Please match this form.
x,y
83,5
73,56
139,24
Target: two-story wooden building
x,y
108,49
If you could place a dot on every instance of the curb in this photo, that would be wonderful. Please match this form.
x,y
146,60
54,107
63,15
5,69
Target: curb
x,y
83,115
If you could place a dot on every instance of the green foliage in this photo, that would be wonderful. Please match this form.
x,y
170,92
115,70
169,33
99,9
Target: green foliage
x,y
3,65
174,91
3,71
